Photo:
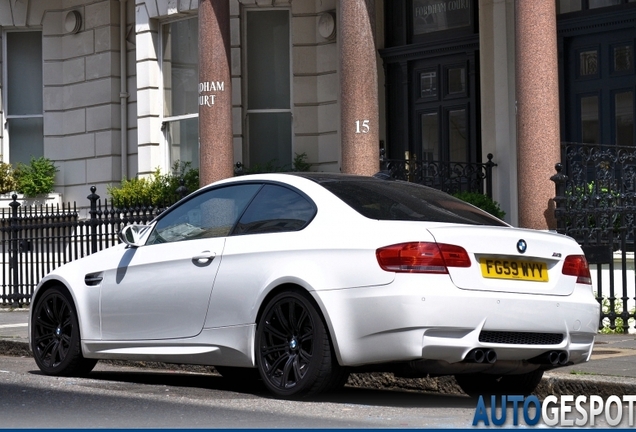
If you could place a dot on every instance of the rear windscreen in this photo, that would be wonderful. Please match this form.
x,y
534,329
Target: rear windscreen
x,y
396,200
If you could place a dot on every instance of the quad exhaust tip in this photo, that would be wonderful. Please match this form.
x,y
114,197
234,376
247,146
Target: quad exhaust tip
x,y
553,358
479,355
489,356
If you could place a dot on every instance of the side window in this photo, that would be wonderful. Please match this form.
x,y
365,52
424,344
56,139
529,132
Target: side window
x,y
276,209
210,214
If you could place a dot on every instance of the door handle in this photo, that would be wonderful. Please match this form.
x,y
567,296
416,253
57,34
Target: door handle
x,y
203,259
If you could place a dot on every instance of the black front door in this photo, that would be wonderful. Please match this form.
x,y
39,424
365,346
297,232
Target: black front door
x,y
600,87
443,114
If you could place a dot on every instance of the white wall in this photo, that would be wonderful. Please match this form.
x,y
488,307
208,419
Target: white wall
x,y
81,80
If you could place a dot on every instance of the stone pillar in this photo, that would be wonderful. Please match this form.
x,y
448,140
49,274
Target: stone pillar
x,y
359,117
215,92
537,87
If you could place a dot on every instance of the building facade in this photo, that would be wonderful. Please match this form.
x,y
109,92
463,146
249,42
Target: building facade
x,y
260,82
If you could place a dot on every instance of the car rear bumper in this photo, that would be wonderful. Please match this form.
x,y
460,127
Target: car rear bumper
x,y
404,321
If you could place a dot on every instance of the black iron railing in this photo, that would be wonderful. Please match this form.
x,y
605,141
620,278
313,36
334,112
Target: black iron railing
x,y
37,239
596,205
451,177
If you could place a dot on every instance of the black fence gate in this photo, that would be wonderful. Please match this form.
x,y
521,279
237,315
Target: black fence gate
x,y
596,205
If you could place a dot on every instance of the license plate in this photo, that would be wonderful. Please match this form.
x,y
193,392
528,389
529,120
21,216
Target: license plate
x,y
498,268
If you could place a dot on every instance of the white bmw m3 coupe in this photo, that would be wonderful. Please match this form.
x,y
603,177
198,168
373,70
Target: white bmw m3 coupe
x,y
300,279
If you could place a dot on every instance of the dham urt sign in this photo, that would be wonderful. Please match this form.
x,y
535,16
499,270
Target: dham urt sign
x,y
436,15
208,91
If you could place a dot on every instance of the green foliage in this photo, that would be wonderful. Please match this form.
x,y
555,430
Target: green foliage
x,y
164,186
36,178
597,203
158,189
483,202
620,326
299,164
7,178
269,167
130,192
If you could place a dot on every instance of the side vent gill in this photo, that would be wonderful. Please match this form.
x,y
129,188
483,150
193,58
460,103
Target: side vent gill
x,y
93,279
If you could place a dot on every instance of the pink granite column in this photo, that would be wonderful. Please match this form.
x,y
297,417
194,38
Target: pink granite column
x,y
538,136
359,116
215,92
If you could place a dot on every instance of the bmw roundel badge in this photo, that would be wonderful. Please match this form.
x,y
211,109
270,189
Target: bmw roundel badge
x,y
522,246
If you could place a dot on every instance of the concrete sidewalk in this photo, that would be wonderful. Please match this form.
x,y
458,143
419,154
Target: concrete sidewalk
x,y
611,371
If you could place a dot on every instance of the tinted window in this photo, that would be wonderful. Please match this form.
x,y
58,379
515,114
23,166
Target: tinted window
x,y
395,200
276,209
210,214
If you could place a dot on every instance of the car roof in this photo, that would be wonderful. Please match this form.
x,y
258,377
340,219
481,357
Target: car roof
x,y
321,177
315,177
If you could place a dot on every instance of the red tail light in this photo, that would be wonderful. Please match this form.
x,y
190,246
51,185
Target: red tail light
x,y
576,265
421,257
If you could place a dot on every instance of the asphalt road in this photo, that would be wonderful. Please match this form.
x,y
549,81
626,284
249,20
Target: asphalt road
x,y
125,397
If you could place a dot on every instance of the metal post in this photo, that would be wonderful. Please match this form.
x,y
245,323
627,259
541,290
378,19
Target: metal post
x,y
489,165
14,251
93,197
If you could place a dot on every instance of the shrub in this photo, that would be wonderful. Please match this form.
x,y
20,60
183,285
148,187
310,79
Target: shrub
x,y
596,204
165,186
36,178
158,189
483,202
620,326
299,164
7,178
130,192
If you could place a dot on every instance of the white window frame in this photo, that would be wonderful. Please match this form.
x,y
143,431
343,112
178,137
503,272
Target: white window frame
x,y
5,149
165,142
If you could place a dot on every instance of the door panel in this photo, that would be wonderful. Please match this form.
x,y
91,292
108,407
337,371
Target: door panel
x,y
624,117
430,136
160,291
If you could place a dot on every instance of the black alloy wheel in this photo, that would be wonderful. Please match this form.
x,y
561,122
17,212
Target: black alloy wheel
x,y
294,354
55,335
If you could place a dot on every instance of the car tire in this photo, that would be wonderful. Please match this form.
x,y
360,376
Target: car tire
x,y
55,335
478,384
293,350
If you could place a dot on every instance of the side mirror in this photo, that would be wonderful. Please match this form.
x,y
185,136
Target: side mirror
x,y
133,235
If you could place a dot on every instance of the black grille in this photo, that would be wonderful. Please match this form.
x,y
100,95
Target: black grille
x,y
520,338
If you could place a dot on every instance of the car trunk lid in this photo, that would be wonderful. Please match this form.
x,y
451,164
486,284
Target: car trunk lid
x,y
510,260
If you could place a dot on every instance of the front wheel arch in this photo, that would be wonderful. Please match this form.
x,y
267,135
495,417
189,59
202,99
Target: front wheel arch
x,y
63,308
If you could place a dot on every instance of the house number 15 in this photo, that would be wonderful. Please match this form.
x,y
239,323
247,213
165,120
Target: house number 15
x,y
362,126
